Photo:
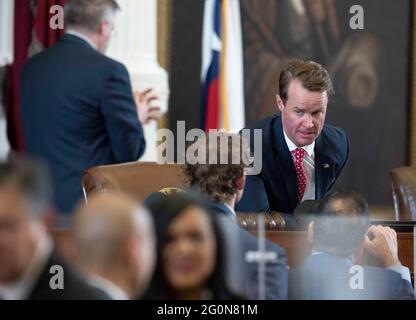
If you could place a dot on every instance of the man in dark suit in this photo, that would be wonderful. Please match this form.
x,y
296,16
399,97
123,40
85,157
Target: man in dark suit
x,y
77,105
340,236
30,267
223,184
301,156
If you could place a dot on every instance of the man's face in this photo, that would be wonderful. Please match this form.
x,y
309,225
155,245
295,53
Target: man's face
x,y
303,115
16,240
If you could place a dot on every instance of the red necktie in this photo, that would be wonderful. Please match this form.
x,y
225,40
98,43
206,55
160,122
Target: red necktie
x,y
300,171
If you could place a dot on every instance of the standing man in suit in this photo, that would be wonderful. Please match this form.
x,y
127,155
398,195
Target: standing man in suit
x,y
30,268
302,156
340,236
223,184
77,105
116,244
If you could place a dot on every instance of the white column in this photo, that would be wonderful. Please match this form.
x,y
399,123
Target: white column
x,y
135,45
6,31
6,58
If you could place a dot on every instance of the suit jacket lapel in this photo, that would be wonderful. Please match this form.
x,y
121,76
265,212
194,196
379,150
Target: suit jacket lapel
x,y
284,162
323,166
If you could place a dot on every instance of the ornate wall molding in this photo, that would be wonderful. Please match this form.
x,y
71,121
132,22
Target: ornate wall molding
x,y
135,45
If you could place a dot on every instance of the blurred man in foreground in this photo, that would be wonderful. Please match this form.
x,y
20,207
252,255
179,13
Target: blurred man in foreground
x,y
116,245
340,235
30,268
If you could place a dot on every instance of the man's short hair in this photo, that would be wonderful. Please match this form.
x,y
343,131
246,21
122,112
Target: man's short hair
x,y
31,178
341,223
312,75
219,181
103,226
88,14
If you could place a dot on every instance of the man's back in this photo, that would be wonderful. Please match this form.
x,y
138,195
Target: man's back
x,y
329,277
78,112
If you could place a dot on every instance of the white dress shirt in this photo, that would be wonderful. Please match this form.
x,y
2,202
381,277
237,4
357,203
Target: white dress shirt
x,y
308,166
20,289
234,215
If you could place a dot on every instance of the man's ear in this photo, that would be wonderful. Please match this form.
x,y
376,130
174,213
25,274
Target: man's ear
x,y
241,182
279,102
130,251
103,28
49,218
310,231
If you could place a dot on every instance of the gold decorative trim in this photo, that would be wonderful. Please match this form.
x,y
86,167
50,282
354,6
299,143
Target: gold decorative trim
x,y
163,32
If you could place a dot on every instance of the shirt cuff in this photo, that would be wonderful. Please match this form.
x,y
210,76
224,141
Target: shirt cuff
x,y
403,271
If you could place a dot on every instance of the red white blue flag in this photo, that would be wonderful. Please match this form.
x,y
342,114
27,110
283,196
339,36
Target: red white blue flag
x,y
222,67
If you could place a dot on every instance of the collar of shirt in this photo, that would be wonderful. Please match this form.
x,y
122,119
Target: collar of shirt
x,y
20,289
231,209
114,291
82,37
309,148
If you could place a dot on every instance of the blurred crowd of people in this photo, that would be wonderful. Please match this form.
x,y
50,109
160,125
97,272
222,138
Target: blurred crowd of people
x,y
183,244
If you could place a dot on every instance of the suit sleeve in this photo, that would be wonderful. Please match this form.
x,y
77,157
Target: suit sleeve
x,y
254,197
120,116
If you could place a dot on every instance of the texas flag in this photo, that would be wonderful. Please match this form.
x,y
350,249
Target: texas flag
x,y
222,104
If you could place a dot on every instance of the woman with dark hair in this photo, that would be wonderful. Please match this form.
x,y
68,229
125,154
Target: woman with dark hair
x,y
190,259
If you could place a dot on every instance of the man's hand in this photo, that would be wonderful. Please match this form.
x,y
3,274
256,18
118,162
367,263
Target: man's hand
x,y
383,245
145,111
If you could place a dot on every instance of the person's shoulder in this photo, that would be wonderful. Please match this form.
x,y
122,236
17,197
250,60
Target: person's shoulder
x,y
36,59
381,273
266,126
116,68
337,140
75,286
334,133
263,123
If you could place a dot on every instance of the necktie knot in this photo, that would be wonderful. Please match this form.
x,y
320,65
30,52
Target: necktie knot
x,y
299,154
